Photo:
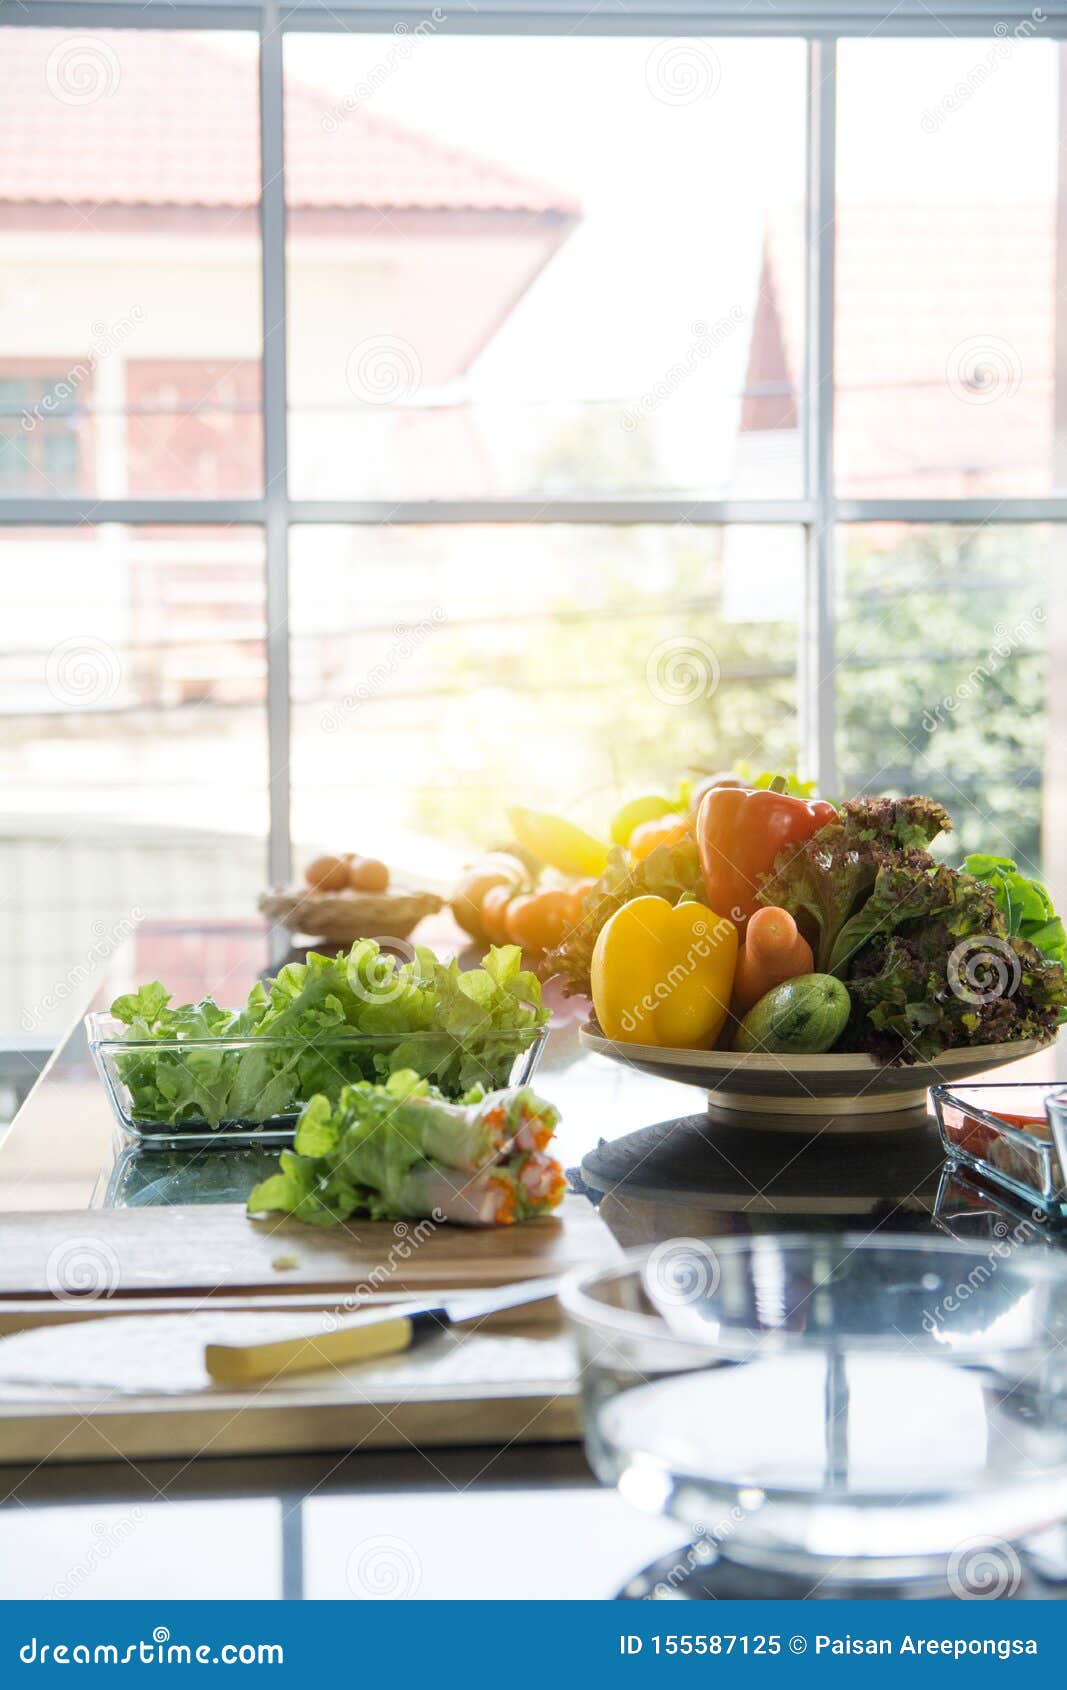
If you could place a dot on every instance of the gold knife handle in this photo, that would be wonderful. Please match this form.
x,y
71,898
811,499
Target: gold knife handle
x,y
244,1364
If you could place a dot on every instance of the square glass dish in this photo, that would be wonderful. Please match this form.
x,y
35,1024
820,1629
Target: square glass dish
x,y
1013,1135
207,1091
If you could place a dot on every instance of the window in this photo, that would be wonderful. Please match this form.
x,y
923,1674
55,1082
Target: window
x,y
133,751
44,440
542,412
515,307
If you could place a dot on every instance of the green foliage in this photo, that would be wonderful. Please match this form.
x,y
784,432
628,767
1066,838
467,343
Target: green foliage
x,y
941,677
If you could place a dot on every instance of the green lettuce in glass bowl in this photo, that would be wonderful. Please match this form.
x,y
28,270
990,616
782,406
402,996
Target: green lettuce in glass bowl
x,y
202,1073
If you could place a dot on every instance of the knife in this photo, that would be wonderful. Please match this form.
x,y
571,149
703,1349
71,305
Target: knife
x,y
380,1333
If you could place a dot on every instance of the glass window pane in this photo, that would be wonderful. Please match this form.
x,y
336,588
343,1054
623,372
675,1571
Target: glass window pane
x,y
950,331
133,752
490,294
945,684
129,263
442,674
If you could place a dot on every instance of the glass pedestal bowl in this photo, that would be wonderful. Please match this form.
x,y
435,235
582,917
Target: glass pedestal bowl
x,y
851,1406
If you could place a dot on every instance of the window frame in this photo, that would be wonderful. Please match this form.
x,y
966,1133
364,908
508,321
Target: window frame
x,y
819,511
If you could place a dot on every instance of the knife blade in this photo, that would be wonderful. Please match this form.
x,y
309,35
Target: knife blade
x,y
380,1333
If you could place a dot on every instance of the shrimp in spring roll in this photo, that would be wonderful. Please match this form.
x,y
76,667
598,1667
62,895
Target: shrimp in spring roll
x,y
515,1190
401,1149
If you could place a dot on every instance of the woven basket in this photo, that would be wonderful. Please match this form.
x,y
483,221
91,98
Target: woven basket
x,y
344,917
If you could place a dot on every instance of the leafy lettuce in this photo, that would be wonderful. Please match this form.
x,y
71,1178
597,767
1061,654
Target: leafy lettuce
x,y
320,1025
1024,904
933,958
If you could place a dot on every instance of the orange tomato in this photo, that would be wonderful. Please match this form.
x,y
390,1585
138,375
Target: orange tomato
x,y
665,830
538,920
577,894
495,914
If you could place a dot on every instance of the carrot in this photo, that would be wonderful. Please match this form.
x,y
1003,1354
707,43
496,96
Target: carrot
x,y
773,950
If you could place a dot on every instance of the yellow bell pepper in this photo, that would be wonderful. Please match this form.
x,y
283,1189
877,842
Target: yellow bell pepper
x,y
662,974
559,843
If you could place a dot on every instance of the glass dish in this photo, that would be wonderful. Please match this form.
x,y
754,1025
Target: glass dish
x,y
1026,1162
805,1401
131,1070
973,1210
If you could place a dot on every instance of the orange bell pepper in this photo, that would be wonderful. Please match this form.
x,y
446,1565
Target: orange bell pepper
x,y
740,831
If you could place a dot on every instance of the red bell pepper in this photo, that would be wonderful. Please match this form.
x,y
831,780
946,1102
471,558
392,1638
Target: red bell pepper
x,y
740,831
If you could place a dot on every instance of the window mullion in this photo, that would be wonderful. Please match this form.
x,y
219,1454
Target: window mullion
x,y
275,438
816,667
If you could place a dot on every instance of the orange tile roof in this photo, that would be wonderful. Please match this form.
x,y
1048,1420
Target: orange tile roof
x,y
148,117
932,301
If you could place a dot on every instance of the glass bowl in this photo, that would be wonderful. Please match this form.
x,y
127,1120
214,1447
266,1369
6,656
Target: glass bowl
x,y
272,1078
808,1402
1026,1161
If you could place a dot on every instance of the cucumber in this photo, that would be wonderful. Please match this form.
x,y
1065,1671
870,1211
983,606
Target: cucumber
x,y
801,1017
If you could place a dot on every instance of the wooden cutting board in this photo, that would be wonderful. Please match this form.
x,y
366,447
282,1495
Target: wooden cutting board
x,y
470,1386
100,1255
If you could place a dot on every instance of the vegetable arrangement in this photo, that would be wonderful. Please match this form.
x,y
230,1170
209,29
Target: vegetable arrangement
x,y
318,1026
847,934
402,1149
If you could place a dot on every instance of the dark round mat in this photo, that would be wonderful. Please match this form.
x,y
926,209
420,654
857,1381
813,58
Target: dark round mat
x,y
694,1158
700,1574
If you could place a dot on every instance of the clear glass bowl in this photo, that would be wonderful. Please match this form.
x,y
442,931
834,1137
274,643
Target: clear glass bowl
x,y
805,1402
274,1077
1028,1162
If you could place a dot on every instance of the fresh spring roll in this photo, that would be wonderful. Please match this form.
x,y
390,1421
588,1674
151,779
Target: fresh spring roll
x,y
468,1136
514,1190
398,1149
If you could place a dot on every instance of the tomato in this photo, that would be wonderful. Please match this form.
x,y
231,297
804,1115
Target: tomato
x,y
495,913
538,920
669,830
577,894
496,869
